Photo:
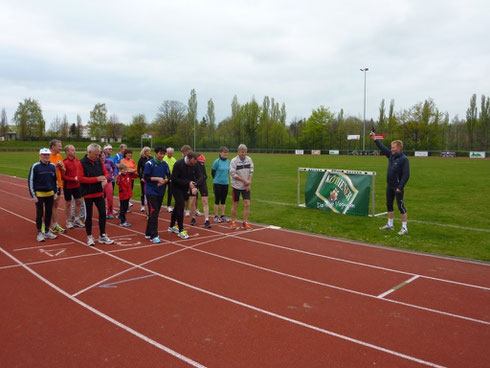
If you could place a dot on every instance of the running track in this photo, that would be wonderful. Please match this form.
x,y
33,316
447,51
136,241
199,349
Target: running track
x,y
263,298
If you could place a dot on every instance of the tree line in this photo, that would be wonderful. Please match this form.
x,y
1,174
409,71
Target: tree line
x,y
264,126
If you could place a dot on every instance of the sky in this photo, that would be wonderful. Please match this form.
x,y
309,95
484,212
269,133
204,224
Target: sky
x,y
133,55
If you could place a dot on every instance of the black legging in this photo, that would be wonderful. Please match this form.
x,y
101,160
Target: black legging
x,y
391,194
169,194
154,206
178,212
143,188
47,204
100,204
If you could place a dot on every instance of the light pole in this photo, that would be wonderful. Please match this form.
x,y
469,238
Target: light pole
x,y
364,70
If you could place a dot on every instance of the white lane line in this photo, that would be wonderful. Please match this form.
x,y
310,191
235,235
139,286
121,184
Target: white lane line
x,y
388,292
105,316
248,306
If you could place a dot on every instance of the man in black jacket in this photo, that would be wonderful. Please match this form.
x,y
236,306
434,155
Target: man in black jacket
x,y
397,177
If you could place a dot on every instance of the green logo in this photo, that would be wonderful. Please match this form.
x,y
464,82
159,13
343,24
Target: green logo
x,y
336,192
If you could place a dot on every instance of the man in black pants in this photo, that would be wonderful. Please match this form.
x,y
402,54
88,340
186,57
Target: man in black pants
x,y
397,177
93,179
184,176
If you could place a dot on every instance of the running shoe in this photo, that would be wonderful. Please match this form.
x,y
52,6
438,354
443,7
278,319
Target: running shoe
x,y
223,218
170,209
104,239
91,241
207,225
156,240
78,223
246,226
403,231
387,227
217,219
109,217
142,209
69,224
234,225
147,236
40,237
183,235
173,229
125,224
187,213
193,221
58,229
49,235
130,204
198,213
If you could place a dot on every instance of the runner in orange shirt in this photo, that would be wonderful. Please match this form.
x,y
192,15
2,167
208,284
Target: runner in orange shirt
x,y
57,160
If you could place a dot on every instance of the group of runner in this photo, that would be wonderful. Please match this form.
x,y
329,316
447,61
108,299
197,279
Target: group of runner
x,y
92,178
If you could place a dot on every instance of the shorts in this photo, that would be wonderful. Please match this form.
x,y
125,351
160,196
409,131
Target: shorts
x,y
236,194
391,195
75,192
220,193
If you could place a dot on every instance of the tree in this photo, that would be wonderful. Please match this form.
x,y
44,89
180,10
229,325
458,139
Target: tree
x,y
250,113
471,119
136,129
64,128
78,133
114,129
98,121
73,130
316,128
190,125
3,124
29,120
484,120
54,127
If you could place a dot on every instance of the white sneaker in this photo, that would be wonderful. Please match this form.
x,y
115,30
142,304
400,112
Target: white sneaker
x,y
198,213
91,241
142,209
183,235
169,209
69,224
387,227
130,204
50,235
104,239
40,237
173,229
403,231
187,213
78,223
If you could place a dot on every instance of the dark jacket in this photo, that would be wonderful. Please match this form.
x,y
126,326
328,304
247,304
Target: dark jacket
x,y
398,167
141,165
42,178
182,174
89,185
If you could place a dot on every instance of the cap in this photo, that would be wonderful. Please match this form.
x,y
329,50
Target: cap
x,y
44,151
201,158
107,146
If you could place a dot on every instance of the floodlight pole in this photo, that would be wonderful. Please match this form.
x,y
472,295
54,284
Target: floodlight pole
x,y
364,70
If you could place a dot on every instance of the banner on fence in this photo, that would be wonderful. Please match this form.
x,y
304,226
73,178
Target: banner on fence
x,y
334,152
475,154
379,136
421,154
353,137
339,191
448,154
299,152
316,152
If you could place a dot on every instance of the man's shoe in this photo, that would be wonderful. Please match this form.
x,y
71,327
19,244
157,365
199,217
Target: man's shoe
x,y
223,218
142,209
183,235
207,225
246,226
91,241
69,224
156,240
109,217
147,236
234,225
40,237
173,229
78,223
193,221
58,229
130,204
387,227
403,231
187,213
125,224
198,213
217,219
49,235
169,209
104,239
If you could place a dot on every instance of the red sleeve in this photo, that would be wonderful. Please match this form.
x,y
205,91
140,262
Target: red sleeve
x,y
69,166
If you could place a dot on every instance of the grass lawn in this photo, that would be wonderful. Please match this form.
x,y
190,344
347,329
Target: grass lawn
x,y
448,200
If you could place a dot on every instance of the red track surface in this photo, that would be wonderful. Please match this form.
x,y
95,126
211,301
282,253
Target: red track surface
x,y
267,297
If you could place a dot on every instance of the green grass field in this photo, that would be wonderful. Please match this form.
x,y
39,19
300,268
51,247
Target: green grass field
x,y
448,200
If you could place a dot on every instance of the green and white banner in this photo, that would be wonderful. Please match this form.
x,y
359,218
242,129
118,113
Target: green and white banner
x,y
339,191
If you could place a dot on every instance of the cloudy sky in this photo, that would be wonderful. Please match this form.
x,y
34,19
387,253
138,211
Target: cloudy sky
x,y
133,55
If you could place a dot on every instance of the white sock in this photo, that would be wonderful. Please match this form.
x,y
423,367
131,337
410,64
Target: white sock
x,y
404,225
390,222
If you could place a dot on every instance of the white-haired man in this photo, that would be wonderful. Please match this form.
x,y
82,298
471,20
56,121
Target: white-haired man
x,y
241,171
